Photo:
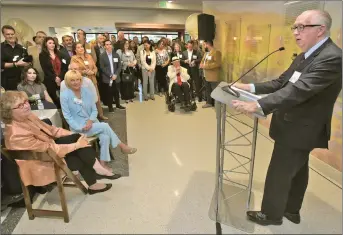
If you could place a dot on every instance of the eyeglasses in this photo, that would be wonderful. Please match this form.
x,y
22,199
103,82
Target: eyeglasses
x,y
21,106
301,27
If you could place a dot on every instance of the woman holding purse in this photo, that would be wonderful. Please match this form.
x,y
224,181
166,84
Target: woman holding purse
x,y
129,62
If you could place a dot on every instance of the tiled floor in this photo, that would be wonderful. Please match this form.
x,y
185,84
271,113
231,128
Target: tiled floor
x,y
171,183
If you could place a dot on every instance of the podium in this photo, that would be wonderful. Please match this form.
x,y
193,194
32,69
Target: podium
x,y
231,201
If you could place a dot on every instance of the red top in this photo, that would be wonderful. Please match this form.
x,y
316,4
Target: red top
x,y
56,65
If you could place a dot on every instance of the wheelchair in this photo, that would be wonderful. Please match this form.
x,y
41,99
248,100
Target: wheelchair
x,y
172,100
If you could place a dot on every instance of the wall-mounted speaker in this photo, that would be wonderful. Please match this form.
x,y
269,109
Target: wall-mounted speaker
x,y
206,27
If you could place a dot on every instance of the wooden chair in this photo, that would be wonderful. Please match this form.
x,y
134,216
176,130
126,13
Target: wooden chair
x,y
59,166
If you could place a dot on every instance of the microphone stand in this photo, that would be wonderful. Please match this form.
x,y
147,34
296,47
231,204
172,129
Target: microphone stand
x,y
235,93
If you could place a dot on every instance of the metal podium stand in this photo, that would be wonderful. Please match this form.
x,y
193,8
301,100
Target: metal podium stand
x,y
231,201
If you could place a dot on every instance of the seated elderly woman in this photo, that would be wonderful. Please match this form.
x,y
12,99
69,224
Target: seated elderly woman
x,y
24,131
32,85
80,112
178,77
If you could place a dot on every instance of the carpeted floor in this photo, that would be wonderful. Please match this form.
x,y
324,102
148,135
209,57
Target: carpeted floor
x,y
117,121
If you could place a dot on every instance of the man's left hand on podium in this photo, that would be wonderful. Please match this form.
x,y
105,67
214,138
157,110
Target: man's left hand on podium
x,y
245,107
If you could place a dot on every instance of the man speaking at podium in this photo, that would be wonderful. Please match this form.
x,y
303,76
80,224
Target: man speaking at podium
x,y
302,101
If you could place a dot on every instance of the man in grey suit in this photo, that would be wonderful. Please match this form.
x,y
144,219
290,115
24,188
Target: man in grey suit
x,y
110,65
302,101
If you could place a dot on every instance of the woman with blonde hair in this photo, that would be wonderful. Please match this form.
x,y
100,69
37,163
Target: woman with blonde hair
x,y
24,131
86,64
80,113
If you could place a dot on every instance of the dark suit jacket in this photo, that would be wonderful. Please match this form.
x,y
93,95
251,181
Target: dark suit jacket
x,y
302,111
196,56
66,55
106,67
49,73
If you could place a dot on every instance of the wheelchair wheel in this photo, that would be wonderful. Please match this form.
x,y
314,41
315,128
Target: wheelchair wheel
x,y
194,106
167,99
171,107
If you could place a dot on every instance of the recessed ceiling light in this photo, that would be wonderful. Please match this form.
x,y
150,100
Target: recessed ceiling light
x,y
170,1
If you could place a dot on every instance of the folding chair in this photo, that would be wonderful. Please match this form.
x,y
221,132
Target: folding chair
x,y
59,166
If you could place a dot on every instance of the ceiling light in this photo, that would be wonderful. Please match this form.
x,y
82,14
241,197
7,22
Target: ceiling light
x,y
170,1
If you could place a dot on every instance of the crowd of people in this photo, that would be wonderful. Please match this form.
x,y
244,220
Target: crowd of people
x,y
78,78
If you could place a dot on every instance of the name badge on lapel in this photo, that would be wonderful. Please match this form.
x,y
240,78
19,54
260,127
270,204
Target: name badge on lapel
x,y
195,57
64,61
115,60
149,57
295,77
77,101
209,57
86,62
180,56
88,51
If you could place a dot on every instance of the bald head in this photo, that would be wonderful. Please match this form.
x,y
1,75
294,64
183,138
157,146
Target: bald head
x,y
120,35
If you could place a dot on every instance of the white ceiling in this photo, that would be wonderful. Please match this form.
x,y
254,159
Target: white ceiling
x,y
182,5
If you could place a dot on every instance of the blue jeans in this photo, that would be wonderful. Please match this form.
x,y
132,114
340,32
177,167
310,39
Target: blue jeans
x,y
106,136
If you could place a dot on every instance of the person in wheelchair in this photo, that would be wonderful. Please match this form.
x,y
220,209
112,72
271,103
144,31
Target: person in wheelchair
x,y
178,84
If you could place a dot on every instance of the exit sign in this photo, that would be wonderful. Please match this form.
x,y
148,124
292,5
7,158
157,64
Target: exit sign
x,y
162,4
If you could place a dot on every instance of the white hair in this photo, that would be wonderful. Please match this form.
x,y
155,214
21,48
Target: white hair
x,y
321,17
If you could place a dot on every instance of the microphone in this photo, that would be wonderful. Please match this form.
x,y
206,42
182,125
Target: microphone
x,y
235,93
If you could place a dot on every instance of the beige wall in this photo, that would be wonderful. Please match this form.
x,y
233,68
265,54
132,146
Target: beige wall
x,y
41,18
246,31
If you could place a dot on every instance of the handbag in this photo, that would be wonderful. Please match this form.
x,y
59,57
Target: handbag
x,y
127,75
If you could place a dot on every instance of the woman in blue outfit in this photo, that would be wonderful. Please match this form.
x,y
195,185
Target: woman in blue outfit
x,y
80,112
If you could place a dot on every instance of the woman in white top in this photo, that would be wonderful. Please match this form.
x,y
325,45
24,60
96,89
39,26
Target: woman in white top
x,y
148,60
129,62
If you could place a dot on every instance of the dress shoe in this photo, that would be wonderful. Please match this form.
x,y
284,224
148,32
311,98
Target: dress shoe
x,y
93,191
103,118
111,110
262,219
112,177
129,151
294,218
182,105
207,106
120,107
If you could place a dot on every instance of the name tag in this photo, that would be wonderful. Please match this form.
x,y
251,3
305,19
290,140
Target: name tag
x,y
86,62
209,57
36,96
64,61
149,57
295,77
88,51
195,57
15,58
115,60
77,101
180,56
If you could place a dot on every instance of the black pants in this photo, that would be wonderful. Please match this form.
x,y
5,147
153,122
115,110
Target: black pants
x,y
161,78
210,86
182,92
81,160
10,83
195,77
286,181
102,88
52,89
112,94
